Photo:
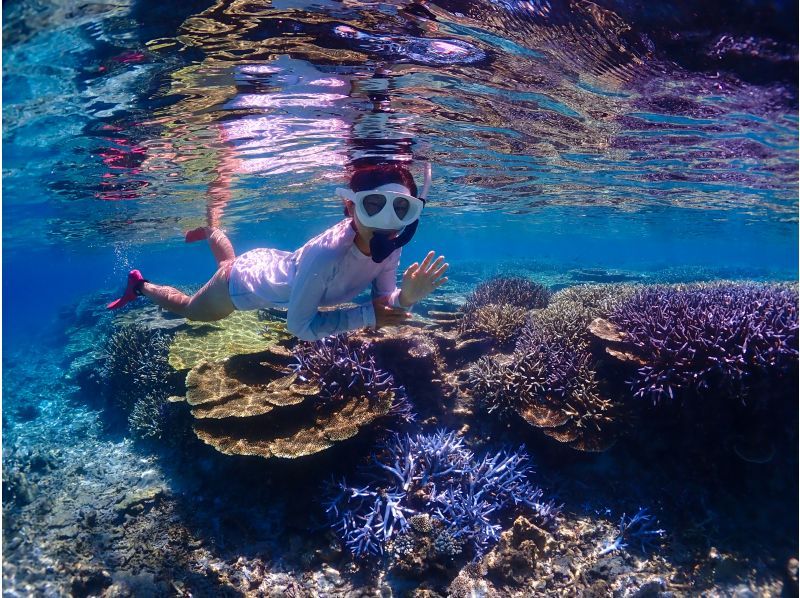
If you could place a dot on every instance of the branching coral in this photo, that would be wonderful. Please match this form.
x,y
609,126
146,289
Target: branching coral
x,y
572,309
552,385
639,528
434,475
341,368
494,385
498,308
137,377
716,337
500,322
508,290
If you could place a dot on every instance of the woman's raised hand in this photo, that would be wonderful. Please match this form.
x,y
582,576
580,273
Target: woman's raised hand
x,y
419,280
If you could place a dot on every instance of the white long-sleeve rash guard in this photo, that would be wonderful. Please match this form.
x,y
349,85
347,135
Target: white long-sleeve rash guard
x,y
326,271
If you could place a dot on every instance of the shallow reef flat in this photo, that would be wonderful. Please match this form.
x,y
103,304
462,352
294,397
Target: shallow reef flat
x,y
519,439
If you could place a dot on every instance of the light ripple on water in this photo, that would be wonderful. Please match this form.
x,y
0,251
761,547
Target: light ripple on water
x,y
521,105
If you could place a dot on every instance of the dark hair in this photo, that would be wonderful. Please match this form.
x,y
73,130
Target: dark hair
x,y
375,175
368,176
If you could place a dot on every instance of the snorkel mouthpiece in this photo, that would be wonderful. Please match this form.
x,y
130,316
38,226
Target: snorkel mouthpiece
x,y
381,245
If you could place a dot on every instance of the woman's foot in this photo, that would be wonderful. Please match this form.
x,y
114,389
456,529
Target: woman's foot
x,y
197,234
135,280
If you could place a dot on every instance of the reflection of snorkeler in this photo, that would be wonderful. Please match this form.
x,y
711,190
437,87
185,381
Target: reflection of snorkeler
x,y
332,268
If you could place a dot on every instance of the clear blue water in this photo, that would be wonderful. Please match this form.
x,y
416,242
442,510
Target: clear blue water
x,y
548,143
646,141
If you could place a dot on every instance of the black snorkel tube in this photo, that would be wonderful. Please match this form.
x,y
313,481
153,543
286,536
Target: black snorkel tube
x,y
381,245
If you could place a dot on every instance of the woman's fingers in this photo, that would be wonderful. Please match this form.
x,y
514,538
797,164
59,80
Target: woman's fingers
x,y
436,264
441,271
426,262
439,282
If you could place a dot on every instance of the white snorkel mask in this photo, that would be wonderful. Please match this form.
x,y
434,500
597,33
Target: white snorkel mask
x,y
388,209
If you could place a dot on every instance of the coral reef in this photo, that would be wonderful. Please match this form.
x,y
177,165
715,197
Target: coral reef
x,y
418,362
714,338
136,378
552,385
500,322
514,558
279,404
507,290
639,529
434,475
571,310
239,333
497,309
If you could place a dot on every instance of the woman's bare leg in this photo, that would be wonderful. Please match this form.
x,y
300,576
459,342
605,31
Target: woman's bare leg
x,y
217,240
212,302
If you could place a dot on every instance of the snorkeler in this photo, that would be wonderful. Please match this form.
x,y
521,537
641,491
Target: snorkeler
x,y
383,212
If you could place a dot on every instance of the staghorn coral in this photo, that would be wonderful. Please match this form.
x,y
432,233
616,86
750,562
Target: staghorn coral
x,y
494,385
714,338
639,528
497,309
339,368
500,322
137,379
433,475
551,384
550,380
263,404
507,290
572,309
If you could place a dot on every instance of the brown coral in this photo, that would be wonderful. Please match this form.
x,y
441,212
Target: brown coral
x,y
249,405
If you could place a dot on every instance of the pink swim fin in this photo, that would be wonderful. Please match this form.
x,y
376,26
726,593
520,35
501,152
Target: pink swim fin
x,y
135,279
196,234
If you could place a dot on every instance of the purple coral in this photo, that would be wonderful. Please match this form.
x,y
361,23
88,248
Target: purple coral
x,y
508,290
719,337
342,368
435,475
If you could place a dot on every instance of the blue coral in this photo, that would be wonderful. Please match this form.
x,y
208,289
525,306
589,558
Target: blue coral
x,y
433,474
343,368
640,528
709,338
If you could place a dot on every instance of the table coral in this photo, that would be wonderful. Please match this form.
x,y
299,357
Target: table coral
x,y
263,404
241,332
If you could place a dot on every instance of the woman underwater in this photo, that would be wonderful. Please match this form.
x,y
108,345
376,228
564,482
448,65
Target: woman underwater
x,y
383,212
